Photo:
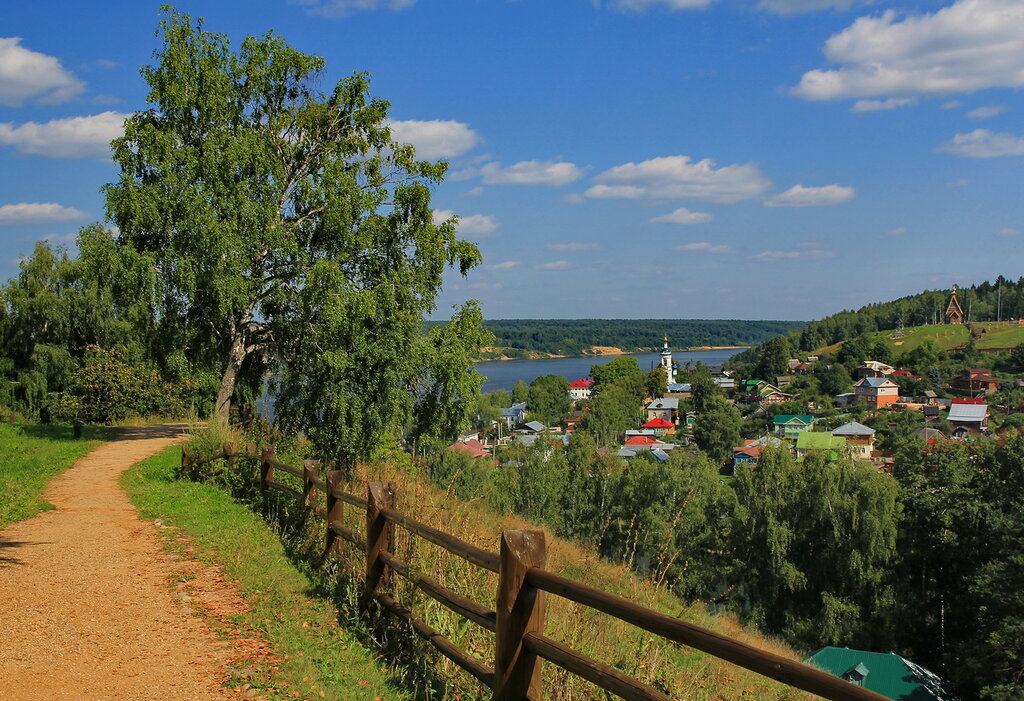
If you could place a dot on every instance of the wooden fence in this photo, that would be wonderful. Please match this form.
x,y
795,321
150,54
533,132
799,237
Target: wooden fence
x,y
517,620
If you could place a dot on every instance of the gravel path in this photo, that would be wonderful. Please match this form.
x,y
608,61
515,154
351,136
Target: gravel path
x,y
86,611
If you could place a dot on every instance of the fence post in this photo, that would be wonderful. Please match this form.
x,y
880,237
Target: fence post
x,y
335,506
186,461
379,496
267,471
520,610
229,454
310,472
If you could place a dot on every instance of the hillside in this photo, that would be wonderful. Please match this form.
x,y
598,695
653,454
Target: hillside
x,y
992,336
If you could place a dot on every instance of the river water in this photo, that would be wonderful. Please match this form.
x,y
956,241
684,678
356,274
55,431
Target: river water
x,y
502,374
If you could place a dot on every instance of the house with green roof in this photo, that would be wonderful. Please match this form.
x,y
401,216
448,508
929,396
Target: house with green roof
x,y
886,674
819,442
792,425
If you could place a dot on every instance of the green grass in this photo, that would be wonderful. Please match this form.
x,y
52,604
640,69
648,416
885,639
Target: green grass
x,y
32,455
946,337
316,659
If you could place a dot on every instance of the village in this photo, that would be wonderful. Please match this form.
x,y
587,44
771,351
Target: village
x,y
883,399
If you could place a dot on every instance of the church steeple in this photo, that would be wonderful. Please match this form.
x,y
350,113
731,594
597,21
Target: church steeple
x,y
666,362
954,312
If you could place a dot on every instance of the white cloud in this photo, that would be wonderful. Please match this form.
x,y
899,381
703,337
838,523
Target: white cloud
x,y
574,198
982,143
554,265
1007,231
987,112
504,265
644,5
437,138
71,137
478,224
553,173
31,212
344,8
898,231
810,254
967,46
951,104
475,192
882,105
800,196
683,216
676,177
29,75
705,247
573,246
61,238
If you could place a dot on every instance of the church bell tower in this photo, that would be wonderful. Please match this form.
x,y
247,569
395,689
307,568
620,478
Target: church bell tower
x,y
666,362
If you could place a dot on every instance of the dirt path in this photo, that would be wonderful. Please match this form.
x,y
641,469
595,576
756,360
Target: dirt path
x,y
85,607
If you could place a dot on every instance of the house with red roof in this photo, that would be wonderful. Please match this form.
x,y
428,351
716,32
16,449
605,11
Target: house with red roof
x,y
473,447
580,389
660,426
642,440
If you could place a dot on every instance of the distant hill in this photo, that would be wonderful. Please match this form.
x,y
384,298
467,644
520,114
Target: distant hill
x,y
985,302
519,338
989,335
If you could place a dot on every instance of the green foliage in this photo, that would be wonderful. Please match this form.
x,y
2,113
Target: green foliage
x,y
624,366
773,358
717,430
548,399
613,411
657,383
520,392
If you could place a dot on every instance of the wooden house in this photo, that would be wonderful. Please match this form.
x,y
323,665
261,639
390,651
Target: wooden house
x,y
877,391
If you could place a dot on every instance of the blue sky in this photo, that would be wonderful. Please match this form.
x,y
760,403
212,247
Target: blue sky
x,y
617,158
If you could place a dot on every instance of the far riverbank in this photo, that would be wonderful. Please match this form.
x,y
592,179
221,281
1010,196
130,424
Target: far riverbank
x,y
598,352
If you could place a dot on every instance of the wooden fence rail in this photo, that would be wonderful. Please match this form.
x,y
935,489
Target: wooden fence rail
x,y
523,585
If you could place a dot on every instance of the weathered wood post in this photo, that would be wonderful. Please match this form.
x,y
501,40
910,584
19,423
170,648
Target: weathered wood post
x,y
335,506
229,455
267,468
310,472
520,610
186,461
379,496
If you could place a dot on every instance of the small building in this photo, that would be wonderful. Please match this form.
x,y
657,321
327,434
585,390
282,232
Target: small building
x,y
660,427
746,455
976,381
968,419
887,674
954,312
877,391
810,442
859,437
665,408
727,383
792,425
679,390
580,389
531,427
770,395
634,441
471,447
929,435
874,368
515,414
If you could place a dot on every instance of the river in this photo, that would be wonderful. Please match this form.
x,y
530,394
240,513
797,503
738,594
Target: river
x,y
502,374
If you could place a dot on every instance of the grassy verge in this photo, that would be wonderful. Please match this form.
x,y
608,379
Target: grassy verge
x,y
314,657
30,456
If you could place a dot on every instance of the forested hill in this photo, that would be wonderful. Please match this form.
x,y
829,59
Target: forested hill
x,y
988,301
526,337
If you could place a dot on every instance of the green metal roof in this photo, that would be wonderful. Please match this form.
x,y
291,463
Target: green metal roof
x,y
887,674
806,419
818,440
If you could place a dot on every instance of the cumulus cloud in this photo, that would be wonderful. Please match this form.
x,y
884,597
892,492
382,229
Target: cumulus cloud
x,y
31,212
437,138
807,254
986,112
982,143
793,7
644,5
677,177
882,105
71,137
800,196
705,247
477,224
683,216
552,173
574,246
29,75
504,265
554,265
343,8
1007,231
967,46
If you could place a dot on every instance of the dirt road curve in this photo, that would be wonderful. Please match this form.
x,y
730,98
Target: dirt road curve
x,y
85,607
